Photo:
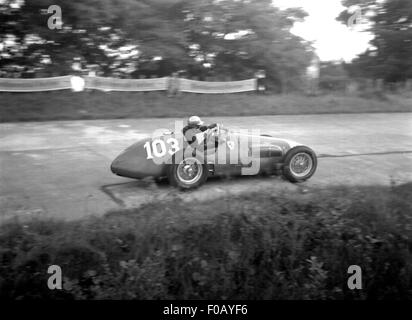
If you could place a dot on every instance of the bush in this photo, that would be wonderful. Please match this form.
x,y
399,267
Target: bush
x,y
255,247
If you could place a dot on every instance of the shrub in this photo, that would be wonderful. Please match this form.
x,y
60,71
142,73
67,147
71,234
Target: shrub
x,y
296,246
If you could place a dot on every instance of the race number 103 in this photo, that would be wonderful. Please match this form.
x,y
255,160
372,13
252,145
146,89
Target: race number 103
x,y
158,148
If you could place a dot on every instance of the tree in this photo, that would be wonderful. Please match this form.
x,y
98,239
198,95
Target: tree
x,y
389,57
226,38
87,34
236,38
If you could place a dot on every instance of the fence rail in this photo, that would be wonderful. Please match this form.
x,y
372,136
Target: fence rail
x,y
114,84
35,85
194,86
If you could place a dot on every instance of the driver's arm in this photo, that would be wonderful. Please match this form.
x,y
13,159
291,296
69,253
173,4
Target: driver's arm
x,y
204,128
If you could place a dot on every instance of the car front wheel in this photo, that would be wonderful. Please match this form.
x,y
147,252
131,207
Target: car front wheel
x,y
188,173
300,164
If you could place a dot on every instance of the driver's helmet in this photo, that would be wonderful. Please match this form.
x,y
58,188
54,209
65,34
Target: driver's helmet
x,y
194,121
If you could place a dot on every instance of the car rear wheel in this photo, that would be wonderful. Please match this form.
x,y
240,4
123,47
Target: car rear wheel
x,y
300,164
188,173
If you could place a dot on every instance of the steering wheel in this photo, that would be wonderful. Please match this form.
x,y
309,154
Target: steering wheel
x,y
217,131
214,132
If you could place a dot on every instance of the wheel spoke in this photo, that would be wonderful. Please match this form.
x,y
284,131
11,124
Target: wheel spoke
x,y
301,164
189,171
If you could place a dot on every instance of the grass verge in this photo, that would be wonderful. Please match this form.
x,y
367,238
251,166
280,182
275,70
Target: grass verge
x,y
66,105
260,246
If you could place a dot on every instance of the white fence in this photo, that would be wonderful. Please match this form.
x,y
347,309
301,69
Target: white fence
x,y
194,86
114,84
33,85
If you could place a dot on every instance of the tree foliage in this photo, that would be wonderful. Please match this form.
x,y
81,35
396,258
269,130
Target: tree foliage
x,y
389,57
225,38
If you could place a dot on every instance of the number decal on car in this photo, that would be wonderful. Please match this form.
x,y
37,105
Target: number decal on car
x,y
174,145
157,148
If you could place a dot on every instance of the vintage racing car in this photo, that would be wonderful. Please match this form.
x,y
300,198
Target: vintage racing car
x,y
217,151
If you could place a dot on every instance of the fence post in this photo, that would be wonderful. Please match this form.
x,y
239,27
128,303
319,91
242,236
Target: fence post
x,y
260,77
173,87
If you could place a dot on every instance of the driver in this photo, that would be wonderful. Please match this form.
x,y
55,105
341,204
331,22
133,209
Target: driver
x,y
194,126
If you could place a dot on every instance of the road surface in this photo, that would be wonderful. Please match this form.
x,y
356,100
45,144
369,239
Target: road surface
x,y
61,169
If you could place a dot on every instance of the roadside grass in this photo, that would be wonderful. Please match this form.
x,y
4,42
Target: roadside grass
x,y
258,246
67,105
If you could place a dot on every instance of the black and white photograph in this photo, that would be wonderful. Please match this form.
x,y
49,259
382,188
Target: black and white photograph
x,y
205,150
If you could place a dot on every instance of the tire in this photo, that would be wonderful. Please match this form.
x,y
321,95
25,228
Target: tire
x,y
176,173
291,170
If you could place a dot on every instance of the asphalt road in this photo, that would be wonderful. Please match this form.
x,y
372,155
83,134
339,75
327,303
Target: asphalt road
x,y
61,168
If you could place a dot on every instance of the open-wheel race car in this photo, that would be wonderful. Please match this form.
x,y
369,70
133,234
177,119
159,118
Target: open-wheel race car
x,y
218,152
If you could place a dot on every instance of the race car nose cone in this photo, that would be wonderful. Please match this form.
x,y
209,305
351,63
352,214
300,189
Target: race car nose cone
x,y
133,163
123,164
115,166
